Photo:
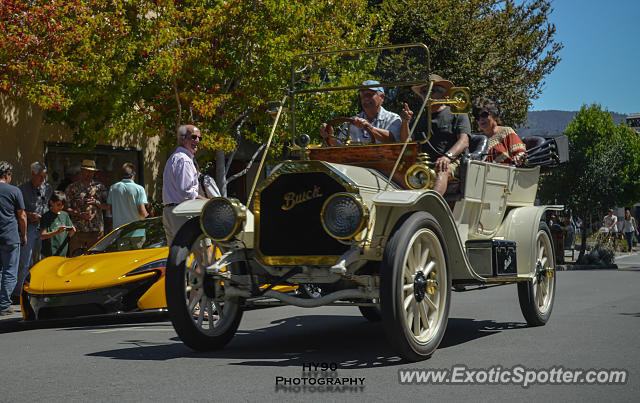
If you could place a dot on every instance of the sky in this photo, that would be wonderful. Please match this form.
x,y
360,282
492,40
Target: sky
x,y
600,59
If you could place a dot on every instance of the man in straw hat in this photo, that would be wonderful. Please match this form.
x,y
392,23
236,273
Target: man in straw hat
x,y
449,132
86,200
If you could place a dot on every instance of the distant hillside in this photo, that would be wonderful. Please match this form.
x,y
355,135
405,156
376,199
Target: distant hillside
x,y
545,123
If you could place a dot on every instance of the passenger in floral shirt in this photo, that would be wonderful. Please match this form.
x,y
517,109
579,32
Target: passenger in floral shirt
x,y
86,200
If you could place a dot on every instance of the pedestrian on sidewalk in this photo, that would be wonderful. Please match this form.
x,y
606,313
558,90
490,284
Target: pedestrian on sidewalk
x,y
35,193
86,199
13,233
180,179
610,221
56,228
629,228
126,198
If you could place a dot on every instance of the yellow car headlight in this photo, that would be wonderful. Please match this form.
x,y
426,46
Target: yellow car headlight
x,y
222,218
344,215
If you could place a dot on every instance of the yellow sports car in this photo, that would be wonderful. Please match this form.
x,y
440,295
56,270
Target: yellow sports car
x,y
123,272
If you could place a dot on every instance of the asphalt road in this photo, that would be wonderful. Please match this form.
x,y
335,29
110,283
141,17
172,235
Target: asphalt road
x,y
595,324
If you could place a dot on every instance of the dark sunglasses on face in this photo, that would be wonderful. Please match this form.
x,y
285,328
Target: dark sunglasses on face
x,y
193,137
482,115
436,90
439,89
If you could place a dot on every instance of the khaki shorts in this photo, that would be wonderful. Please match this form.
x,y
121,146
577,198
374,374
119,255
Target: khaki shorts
x,y
455,169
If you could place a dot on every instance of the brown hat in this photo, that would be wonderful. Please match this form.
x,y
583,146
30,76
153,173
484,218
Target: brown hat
x,y
437,80
89,165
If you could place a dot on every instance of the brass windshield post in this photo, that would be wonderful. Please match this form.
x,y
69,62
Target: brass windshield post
x,y
408,139
266,150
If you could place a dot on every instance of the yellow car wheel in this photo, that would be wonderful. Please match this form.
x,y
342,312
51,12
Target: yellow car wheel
x,y
200,313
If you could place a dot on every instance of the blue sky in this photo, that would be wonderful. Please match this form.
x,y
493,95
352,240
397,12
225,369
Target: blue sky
x,y
601,56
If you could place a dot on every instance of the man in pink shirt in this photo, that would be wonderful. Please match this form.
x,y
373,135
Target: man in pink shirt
x,y
180,179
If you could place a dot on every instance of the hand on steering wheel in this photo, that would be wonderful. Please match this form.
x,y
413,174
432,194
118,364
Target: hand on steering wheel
x,y
327,129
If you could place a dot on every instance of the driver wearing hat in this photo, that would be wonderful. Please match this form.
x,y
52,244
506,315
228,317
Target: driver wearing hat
x,y
449,132
373,125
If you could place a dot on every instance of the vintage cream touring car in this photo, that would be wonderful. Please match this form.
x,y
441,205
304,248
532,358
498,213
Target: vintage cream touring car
x,y
359,224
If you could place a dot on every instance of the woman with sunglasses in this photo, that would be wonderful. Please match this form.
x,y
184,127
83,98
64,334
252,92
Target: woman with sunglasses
x,y
505,146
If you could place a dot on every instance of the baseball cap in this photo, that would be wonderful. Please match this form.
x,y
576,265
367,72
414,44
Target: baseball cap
x,y
373,82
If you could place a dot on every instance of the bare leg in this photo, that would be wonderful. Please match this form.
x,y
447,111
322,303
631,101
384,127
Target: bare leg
x,y
442,180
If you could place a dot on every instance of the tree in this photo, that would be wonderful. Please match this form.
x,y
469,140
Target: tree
x,y
603,168
500,50
105,67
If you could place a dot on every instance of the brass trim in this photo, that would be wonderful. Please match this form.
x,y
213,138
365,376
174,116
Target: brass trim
x,y
420,166
459,100
364,212
289,167
240,213
266,150
328,260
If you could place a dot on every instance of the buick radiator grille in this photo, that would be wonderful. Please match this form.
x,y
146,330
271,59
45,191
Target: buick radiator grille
x,y
290,216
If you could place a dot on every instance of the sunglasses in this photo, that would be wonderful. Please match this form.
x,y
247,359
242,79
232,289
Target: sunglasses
x,y
482,115
193,137
439,89
436,90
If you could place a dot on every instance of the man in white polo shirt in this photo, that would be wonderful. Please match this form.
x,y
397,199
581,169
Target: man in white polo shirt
x,y
180,179
126,198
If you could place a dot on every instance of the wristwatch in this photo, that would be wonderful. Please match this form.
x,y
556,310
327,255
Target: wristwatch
x,y
449,155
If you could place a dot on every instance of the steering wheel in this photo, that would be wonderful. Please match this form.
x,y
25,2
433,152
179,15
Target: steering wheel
x,y
334,122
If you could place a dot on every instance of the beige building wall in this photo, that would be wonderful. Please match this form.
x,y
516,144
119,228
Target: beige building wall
x,y
23,136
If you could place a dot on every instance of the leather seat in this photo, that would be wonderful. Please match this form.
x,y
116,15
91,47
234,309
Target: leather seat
x,y
478,146
532,141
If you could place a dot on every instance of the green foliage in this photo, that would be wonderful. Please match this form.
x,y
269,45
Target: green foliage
x,y
106,67
603,167
499,49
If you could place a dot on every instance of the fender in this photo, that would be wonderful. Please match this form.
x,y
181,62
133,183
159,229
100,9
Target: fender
x,y
521,225
190,207
193,208
391,206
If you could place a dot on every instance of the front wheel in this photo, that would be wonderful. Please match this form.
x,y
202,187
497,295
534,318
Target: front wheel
x,y
203,318
537,295
415,287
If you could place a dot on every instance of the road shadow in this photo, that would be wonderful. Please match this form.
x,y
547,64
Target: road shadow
x,y
349,341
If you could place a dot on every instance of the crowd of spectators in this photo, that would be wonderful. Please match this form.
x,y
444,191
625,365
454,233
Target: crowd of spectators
x,y
36,221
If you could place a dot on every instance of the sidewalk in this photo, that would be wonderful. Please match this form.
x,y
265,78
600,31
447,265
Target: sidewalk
x,y
17,313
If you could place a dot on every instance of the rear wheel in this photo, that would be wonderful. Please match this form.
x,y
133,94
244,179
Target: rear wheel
x,y
415,287
537,295
203,318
